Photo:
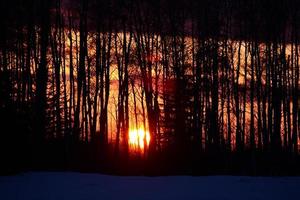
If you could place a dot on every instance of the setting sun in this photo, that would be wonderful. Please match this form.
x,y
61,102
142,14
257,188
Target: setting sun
x,y
139,137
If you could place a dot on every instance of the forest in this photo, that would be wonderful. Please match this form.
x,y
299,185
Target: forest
x,y
153,87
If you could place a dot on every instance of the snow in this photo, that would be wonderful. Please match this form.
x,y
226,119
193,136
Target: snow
x,y
69,185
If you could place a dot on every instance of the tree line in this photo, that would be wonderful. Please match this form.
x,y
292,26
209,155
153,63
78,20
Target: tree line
x,y
203,77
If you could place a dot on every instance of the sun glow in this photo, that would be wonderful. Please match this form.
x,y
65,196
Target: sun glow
x,y
138,138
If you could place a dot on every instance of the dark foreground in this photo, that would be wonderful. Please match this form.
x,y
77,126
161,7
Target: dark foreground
x,y
67,185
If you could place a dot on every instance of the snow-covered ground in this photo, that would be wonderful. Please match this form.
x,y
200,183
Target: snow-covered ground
x,y
73,186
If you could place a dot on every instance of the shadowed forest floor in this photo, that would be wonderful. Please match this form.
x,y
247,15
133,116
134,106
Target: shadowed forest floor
x,y
86,158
